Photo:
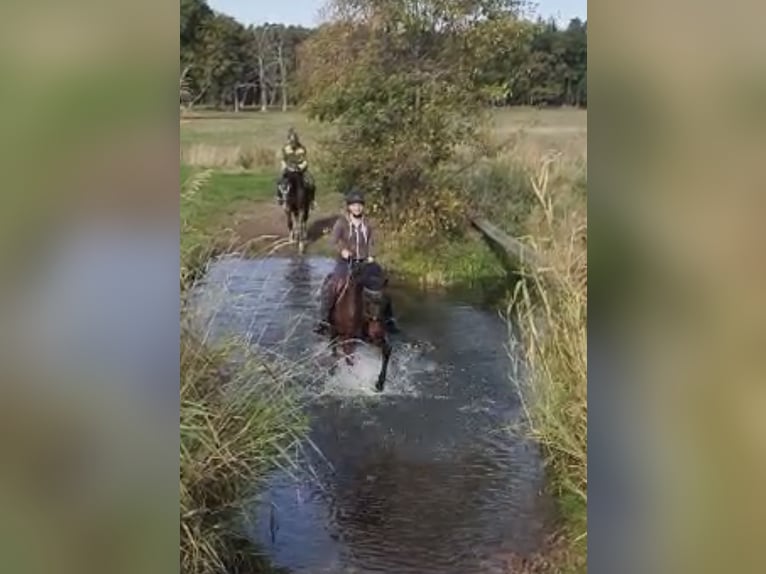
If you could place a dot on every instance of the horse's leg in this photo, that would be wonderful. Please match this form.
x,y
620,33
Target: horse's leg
x,y
386,349
289,217
348,351
304,220
335,354
302,215
294,217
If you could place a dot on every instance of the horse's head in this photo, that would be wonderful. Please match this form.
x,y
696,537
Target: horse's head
x,y
294,178
369,276
294,186
373,304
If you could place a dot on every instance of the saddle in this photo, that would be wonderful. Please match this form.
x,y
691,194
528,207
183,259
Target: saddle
x,y
371,277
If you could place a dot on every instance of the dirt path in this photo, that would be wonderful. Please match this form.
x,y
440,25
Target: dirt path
x,y
264,223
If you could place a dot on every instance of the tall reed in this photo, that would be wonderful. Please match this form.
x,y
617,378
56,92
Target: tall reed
x,y
550,309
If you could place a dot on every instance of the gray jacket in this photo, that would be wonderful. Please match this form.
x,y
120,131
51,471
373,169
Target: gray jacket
x,y
358,239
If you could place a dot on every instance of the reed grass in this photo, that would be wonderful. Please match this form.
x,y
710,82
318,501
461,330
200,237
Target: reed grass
x,y
550,309
239,419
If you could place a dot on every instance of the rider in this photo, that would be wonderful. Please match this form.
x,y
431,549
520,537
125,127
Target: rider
x,y
351,238
294,159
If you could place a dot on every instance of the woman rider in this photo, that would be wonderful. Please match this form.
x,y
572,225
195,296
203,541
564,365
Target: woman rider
x,y
351,238
294,158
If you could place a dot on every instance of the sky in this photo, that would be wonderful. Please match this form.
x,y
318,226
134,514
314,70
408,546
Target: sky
x,y
305,12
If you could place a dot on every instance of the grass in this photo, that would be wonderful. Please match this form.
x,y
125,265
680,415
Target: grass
x,y
219,139
224,194
225,141
550,308
236,424
208,204
238,417
457,265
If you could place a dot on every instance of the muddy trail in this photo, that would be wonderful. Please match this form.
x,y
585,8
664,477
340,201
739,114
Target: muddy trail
x,y
264,224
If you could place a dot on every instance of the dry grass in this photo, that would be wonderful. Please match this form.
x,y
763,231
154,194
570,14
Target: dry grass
x,y
237,422
248,129
551,309
215,139
229,156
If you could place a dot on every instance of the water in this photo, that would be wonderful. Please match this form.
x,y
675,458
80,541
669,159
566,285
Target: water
x,y
425,477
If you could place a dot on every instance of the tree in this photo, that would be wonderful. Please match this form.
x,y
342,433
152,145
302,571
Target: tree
x,y
522,62
401,79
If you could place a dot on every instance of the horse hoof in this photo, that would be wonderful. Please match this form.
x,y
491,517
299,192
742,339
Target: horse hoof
x,y
379,386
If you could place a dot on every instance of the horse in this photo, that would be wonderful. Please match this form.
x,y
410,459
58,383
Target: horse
x,y
297,206
358,315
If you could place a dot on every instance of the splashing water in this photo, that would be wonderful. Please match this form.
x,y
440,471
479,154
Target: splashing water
x,y
423,477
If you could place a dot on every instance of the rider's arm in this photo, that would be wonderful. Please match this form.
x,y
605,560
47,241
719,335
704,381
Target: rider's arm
x,y
370,242
284,158
337,237
304,162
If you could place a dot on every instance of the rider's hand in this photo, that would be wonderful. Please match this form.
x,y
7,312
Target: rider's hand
x,y
345,253
370,259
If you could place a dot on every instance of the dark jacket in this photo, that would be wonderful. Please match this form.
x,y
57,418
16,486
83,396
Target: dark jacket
x,y
358,239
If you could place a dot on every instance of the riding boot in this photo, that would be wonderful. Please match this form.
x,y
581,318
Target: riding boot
x,y
281,183
326,300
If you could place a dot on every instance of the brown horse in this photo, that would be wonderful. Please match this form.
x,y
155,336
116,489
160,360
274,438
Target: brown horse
x,y
358,314
297,206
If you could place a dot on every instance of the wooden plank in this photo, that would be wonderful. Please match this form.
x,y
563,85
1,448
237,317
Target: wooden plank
x,y
520,255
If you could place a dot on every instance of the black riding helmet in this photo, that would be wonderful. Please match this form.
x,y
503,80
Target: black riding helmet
x,y
354,196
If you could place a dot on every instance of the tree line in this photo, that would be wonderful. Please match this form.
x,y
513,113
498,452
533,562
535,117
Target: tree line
x,y
227,65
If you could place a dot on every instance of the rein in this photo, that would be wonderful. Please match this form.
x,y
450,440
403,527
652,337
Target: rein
x,y
347,282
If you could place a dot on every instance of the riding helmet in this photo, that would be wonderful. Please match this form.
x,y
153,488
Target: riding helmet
x,y
354,196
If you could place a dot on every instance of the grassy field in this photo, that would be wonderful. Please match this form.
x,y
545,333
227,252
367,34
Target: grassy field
x,y
217,139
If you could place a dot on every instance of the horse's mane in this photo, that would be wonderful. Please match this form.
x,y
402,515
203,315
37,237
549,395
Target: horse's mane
x,y
372,277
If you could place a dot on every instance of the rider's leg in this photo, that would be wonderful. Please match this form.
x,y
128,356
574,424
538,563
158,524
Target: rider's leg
x,y
327,297
325,307
326,301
